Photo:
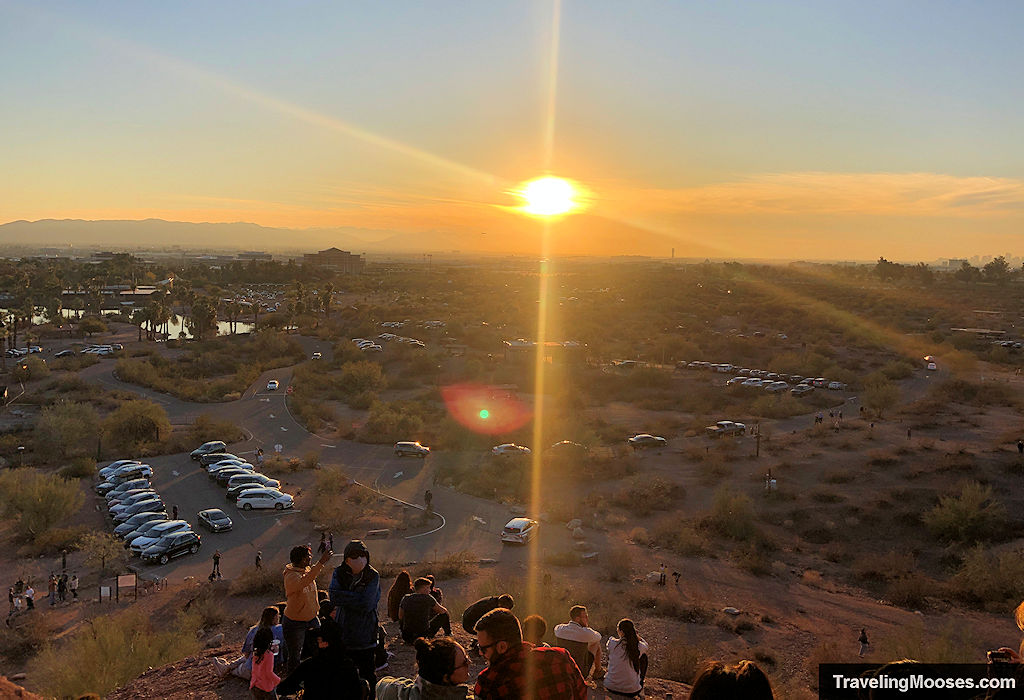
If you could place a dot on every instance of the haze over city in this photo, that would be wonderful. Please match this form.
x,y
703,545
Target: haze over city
x,y
770,130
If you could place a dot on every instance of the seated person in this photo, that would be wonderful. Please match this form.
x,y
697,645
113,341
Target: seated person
x,y
420,615
627,662
483,606
443,669
581,641
534,629
742,681
242,666
328,674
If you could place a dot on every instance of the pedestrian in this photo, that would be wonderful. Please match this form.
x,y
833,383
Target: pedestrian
x,y
330,541
661,576
840,415
355,592
323,543
676,575
259,560
63,560
73,587
428,498
216,565
51,588
259,456
1020,447
62,588
174,512
908,433
863,639
30,598
10,597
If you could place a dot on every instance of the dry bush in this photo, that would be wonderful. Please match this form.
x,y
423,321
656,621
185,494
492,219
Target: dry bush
x,y
732,514
680,661
563,558
455,565
825,653
54,540
909,590
642,494
884,567
111,651
990,580
882,458
680,537
265,581
616,562
952,644
78,468
23,637
640,536
972,516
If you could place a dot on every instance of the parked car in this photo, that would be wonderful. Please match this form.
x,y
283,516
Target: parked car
x,y
317,356
568,447
65,353
645,441
801,390
221,476
820,382
837,386
242,482
214,446
143,531
509,449
107,488
519,531
170,546
114,466
724,428
152,505
273,385
775,387
264,498
215,519
931,366
214,457
139,544
138,520
411,449
127,499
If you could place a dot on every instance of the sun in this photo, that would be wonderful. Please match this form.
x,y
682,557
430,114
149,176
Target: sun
x,y
548,196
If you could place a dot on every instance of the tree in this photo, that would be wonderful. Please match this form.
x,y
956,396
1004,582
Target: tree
x,y
203,317
101,548
967,273
997,270
91,324
325,300
135,423
66,430
971,516
881,396
37,502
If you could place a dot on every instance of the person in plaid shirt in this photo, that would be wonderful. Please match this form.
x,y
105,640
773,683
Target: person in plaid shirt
x,y
517,670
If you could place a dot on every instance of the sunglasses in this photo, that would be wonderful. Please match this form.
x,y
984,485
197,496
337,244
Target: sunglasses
x,y
483,648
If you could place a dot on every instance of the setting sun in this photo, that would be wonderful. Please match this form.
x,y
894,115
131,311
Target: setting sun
x,y
548,196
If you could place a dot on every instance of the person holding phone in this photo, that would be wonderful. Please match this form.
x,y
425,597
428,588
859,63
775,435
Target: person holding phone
x,y
300,612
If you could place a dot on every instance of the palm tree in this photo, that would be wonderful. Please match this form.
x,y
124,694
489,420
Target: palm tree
x,y
325,301
139,317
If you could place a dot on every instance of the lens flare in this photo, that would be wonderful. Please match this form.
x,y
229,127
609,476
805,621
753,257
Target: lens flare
x,y
489,410
548,196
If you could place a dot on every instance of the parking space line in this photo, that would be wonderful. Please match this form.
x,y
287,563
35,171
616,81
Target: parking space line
x,y
274,513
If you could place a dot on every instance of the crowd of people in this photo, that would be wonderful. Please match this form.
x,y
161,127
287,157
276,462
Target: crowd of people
x,y
332,644
60,588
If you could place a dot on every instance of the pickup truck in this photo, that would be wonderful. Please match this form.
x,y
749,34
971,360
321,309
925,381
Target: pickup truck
x,y
725,427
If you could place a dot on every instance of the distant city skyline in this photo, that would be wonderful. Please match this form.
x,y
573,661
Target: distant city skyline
x,y
840,130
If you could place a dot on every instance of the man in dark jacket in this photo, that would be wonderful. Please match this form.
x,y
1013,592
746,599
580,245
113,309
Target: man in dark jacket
x,y
355,592
483,606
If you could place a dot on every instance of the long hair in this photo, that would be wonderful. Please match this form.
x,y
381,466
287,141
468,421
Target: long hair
x,y
629,636
399,589
261,643
435,659
267,617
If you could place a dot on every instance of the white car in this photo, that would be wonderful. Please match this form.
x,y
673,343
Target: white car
x,y
932,366
108,470
509,449
317,356
273,385
264,498
752,381
775,387
414,449
372,347
519,531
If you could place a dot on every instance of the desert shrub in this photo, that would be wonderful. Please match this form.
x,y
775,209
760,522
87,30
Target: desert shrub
x,y
909,590
640,536
389,422
208,607
263,582
102,550
980,394
37,502
679,661
642,494
54,540
361,376
616,562
680,537
732,514
825,653
206,428
111,651
73,363
66,430
136,423
329,510
311,460
991,580
972,516
455,565
314,415
951,644
78,468
886,566
362,401
20,642
563,558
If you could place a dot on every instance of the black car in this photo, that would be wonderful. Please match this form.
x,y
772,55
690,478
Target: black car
x,y
215,519
170,546
214,457
208,448
222,475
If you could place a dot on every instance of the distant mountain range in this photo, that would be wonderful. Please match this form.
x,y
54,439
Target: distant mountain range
x,y
578,235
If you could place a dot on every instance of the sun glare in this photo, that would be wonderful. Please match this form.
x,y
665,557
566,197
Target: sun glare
x,y
548,196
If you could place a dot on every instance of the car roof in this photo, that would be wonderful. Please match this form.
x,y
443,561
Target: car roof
x,y
518,522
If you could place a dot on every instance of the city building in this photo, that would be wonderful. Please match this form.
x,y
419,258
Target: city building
x,y
338,260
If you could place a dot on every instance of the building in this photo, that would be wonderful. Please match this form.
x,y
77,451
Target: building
x,y
567,352
337,260
255,255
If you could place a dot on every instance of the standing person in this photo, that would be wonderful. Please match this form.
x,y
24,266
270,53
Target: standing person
x,y
442,671
30,598
582,641
428,498
10,598
517,669
863,639
323,543
73,587
330,541
399,589
259,560
259,456
303,601
63,560
62,588
627,661
174,512
51,587
420,615
355,592
216,565
263,683
1020,447
661,575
